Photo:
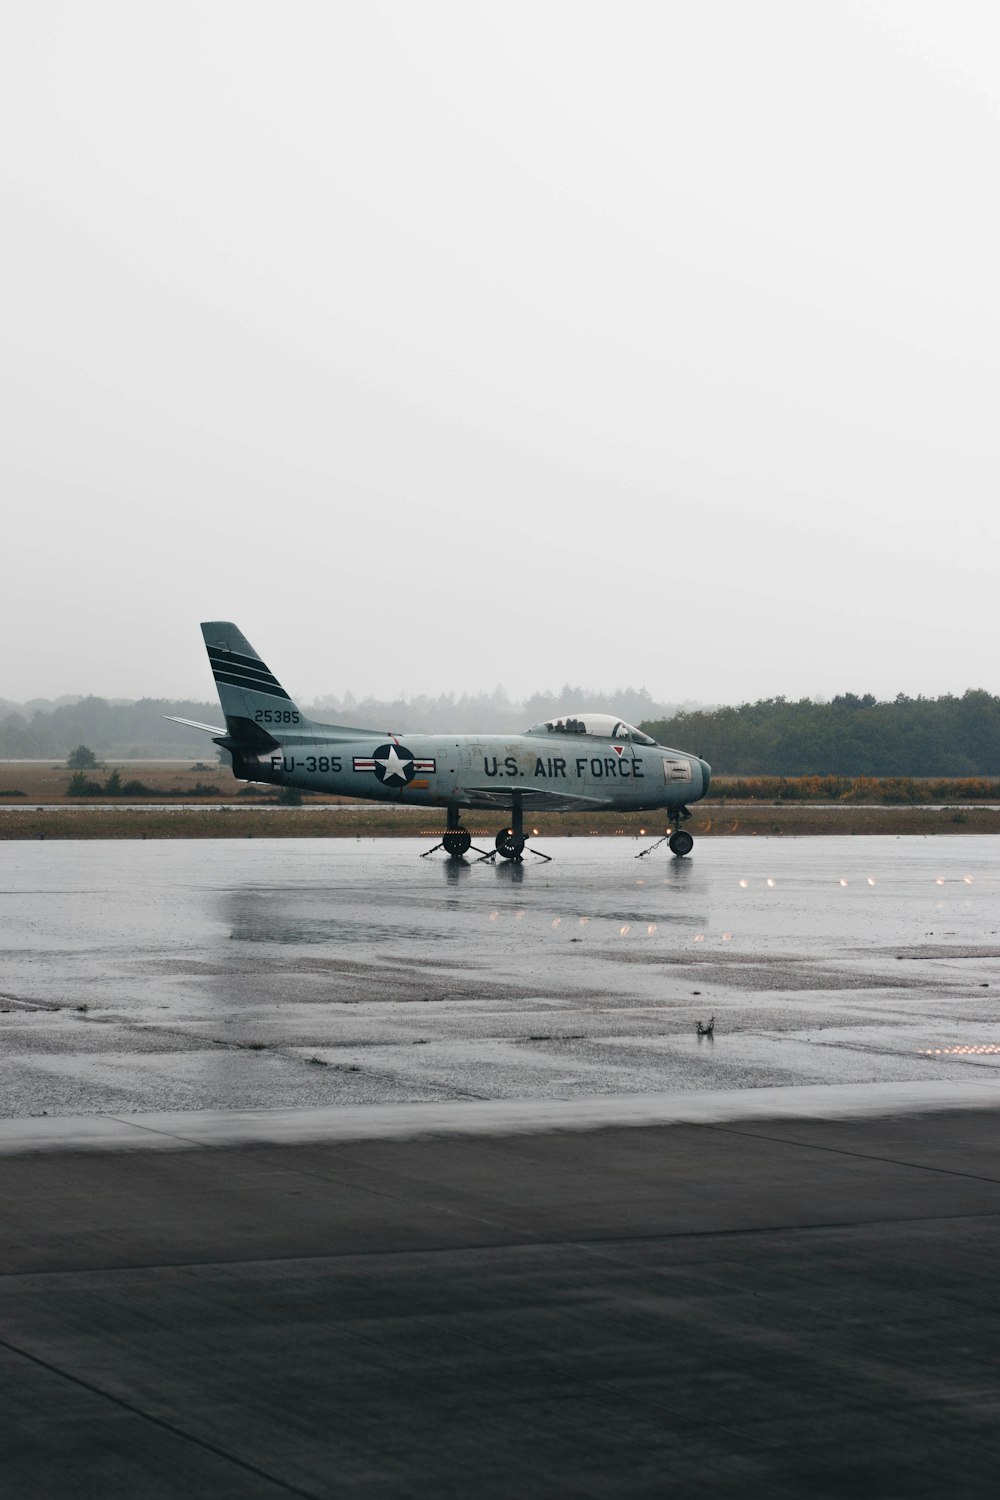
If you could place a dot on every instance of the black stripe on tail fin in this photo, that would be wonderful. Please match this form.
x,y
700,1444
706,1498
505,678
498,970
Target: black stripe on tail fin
x,y
248,689
244,671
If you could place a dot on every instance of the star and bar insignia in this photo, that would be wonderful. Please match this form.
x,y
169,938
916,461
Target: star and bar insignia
x,y
393,765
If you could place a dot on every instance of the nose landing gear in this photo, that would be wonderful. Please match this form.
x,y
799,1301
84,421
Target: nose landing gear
x,y
679,841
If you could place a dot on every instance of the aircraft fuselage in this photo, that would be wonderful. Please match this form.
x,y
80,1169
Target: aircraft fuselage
x,y
483,771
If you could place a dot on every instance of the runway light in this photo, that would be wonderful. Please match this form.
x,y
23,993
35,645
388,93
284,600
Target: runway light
x,y
651,929
700,937
624,930
556,921
870,880
986,1049
727,937
744,884
967,879
518,916
535,832
584,921
843,882
770,884
940,880
494,915
642,831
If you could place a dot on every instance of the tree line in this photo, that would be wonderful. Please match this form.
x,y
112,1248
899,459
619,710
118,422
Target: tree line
x,y
849,736
122,730
136,731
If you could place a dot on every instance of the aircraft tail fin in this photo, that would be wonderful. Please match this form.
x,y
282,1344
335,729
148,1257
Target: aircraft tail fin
x,y
252,698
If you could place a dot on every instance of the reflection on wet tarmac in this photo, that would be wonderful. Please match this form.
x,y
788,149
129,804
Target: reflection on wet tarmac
x,y
257,918
294,972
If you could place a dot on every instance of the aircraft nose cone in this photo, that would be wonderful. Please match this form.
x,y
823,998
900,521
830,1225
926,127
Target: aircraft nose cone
x,y
706,775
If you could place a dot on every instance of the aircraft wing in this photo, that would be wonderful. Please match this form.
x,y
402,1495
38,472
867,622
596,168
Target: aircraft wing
x,y
534,801
193,724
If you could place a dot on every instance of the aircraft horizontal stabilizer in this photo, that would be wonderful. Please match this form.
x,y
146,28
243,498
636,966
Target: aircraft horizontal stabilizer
x,y
193,724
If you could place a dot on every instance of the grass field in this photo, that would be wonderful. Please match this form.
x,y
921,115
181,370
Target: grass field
x,y
26,782
227,812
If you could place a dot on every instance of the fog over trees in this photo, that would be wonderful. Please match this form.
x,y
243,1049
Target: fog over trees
x,y
139,730
851,735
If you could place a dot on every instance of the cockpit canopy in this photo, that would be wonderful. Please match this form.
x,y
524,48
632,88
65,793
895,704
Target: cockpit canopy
x,y
598,726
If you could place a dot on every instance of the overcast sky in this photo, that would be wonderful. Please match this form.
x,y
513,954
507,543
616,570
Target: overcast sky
x,y
448,345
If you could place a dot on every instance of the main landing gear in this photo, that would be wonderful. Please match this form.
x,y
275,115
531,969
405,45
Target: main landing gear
x,y
457,841
679,841
510,842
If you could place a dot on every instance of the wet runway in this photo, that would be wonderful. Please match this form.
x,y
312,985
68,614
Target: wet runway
x,y
241,975
330,1172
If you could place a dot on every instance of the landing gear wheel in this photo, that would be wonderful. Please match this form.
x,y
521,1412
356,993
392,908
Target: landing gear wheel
x,y
457,841
510,845
680,842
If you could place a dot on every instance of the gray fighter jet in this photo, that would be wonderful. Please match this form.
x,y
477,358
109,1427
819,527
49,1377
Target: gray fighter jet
x,y
579,762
